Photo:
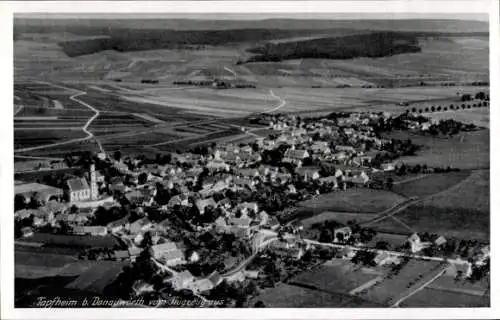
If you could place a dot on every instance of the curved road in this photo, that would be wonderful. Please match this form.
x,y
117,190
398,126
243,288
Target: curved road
x,y
282,102
90,135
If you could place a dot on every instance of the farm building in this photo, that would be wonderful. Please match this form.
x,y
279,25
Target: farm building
x,y
40,191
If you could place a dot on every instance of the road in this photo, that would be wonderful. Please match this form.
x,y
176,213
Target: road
x,y
89,136
230,70
282,102
421,284
18,109
392,211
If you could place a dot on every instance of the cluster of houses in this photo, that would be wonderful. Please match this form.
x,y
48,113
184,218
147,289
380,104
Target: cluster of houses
x,y
345,143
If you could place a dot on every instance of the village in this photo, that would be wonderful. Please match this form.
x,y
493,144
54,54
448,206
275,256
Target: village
x,y
202,220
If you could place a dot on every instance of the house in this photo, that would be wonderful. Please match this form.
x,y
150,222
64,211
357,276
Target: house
x,y
202,205
347,253
194,257
91,230
295,157
329,180
240,222
250,157
384,258
247,207
359,179
121,255
26,232
307,173
178,200
182,280
282,178
414,242
40,216
362,160
118,225
239,232
440,241
251,274
159,250
140,225
215,278
221,225
201,285
134,252
320,147
214,166
345,149
482,255
173,258
294,253
281,245
247,173
244,183
273,223
140,287
342,234
462,269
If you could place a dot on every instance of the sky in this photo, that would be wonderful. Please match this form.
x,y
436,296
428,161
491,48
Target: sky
x,y
261,16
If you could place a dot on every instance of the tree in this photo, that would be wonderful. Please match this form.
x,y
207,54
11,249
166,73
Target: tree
x,y
427,109
19,202
383,245
389,183
117,155
73,209
433,109
259,304
142,178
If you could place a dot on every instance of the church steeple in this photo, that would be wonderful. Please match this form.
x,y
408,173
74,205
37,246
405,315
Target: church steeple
x,y
93,183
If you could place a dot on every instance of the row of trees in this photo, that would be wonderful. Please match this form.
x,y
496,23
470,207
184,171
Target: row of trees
x,y
457,107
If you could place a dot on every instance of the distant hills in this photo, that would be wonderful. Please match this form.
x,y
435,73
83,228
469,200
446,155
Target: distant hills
x,y
415,25
335,39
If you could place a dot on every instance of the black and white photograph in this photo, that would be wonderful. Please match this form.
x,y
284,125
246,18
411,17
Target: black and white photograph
x,y
250,159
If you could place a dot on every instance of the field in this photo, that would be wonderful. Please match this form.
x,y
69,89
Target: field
x,y
353,200
471,193
33,138
75,241
341,217
284,295
336,276
448,221
389,288
431,298
452,203
430,184
97,276
470,150
478,116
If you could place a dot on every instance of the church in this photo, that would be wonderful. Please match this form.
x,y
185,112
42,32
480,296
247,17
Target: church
x,y
78,189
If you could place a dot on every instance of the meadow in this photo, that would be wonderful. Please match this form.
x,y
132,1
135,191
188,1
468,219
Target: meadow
x,y
431,298
430,184
391,287
468,150
285,295
448,221
336,276
353,200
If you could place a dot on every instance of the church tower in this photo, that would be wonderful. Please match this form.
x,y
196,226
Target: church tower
x,y
93,183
